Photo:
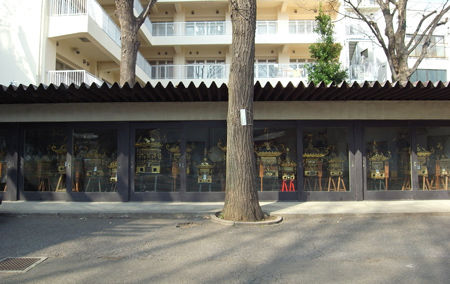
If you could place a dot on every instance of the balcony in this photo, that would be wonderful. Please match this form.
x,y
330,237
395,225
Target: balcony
x,y
72,18
218,73
219,32
146,27
363,5
367,72
69,77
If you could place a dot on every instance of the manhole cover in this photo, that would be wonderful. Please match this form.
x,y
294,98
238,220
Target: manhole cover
x,y
19,264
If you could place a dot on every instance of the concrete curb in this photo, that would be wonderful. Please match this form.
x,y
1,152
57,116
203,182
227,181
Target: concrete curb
x,y
110,215
221,221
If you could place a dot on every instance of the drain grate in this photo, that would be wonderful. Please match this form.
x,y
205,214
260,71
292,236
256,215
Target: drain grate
x,y
19,264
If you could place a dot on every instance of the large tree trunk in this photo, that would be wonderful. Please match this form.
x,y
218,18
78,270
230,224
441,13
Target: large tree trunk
x,y
400,70
129,27
241,198
130,44
128,56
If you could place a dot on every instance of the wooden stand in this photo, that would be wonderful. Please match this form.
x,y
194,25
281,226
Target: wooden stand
x,y
314,182
44,184
336,184
92,181
60,185
426,185
440,182
261,175
175,172
386,175
406,185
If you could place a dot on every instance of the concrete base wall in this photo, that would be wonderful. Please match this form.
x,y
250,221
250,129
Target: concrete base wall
x,y
346,110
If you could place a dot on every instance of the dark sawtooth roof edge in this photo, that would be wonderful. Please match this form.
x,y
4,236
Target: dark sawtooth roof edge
x,y
411,91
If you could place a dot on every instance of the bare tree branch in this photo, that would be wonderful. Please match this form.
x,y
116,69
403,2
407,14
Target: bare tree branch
x,y
414,35
143,15
396,44
426,44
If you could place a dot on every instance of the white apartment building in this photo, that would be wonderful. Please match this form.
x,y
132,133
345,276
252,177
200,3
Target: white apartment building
x,y
75,41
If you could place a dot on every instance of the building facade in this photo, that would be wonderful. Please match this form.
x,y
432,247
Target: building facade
x,y
61,139
75,41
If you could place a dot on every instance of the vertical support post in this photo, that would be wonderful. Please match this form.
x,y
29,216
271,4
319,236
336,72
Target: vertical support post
x,y
300,189
12,163
69,161
359,181
183,163
413,158
123,161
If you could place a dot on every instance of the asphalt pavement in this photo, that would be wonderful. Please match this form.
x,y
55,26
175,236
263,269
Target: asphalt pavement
x,y
368,248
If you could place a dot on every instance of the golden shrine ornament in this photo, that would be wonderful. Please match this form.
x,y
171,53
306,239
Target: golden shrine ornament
x,y
148,153
288,167
268,156
313,158
422,157
61,153
205,170
378,163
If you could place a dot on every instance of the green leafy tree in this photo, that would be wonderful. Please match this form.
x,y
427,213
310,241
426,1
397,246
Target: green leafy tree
x,y
326,52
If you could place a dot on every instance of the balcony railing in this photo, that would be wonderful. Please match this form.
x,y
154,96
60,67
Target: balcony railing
x,y
68,77
367,72
189,28
221,71
101,18
273,70
138,7
220,28
266,27
302,26
190,71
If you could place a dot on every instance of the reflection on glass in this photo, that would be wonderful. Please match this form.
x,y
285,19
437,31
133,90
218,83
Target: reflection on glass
x,y
44,160
433,155
276,161
325,159
206,159
95,160
3,169
157,159
388,156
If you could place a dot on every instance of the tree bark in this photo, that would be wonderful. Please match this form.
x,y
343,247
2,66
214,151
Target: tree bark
x,y
128,57
241,198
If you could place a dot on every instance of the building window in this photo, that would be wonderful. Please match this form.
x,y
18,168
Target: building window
x,y
157,160
429,75
62,66
301,26
435,49
276,159
266,68
95,160
266,27
3,162
433,155
162,69
205,159
163,29
388,158
44,159
325,159
205,28
205,69
298,68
